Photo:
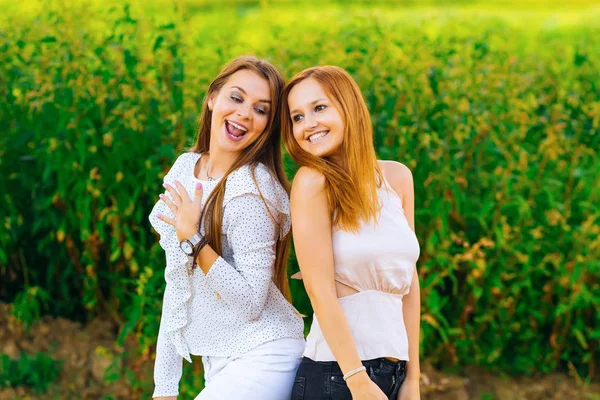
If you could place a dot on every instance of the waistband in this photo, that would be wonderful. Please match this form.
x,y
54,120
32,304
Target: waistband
x,y
334,368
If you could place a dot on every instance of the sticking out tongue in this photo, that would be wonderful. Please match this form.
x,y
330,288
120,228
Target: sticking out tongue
x,y
234,131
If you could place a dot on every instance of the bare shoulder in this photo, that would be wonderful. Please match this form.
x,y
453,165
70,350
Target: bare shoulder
x,y
397,174
307,182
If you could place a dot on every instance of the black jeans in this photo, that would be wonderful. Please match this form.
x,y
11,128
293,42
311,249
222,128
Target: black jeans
x,y
323,380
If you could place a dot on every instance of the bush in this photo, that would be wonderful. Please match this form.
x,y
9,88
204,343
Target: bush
x,y
37,372
500,132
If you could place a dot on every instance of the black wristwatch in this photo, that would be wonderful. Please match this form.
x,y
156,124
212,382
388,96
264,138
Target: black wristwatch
x,y
189,246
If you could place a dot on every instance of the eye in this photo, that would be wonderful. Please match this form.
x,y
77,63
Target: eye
x,y
320,107
236,98
261,111
297,117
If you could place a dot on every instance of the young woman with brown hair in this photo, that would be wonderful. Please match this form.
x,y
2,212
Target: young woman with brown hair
x,y
353,226
224,224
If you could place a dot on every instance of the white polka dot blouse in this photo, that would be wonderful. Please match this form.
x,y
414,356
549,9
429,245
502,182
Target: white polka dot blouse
x,y
236,306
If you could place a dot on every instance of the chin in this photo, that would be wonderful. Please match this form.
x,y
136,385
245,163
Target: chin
x,y
235,148
323,152
329,146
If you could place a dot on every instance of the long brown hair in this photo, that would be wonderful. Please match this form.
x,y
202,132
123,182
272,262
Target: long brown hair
x,y
351,187
266,150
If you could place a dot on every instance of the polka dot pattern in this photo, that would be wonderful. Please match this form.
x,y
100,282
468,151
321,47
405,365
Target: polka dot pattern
x,y
236,306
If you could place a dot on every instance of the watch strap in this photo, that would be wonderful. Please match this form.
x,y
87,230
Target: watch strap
x,y
194,240
203,242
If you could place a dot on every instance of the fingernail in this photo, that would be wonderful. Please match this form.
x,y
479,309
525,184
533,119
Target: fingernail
x,y
159,216
161,195
165,185
198,185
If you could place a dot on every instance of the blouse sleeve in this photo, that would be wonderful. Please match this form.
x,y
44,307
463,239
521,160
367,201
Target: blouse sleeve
x,y
252,235
256,213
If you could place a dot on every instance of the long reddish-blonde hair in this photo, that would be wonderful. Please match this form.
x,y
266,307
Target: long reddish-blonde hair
x,y
352,186
266,150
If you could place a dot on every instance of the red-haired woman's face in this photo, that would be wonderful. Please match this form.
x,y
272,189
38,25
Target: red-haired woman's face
x,y
317,124
240,111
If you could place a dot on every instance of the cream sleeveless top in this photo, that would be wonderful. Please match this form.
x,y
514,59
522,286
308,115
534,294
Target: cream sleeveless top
x,y
378,262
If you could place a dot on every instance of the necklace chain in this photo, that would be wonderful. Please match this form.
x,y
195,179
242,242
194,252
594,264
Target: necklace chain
x,y
208,177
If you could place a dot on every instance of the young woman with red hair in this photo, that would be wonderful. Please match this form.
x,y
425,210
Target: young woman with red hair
x,y
353,228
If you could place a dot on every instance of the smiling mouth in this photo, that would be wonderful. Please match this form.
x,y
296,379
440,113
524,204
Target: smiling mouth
x,y
315,137
235,130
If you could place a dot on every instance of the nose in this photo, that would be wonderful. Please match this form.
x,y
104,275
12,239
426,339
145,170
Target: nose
x,y
310,122
243,111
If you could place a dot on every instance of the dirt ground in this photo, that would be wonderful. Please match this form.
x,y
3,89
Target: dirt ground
x,y
88,351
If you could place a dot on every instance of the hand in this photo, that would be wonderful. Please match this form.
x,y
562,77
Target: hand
x,y
410,390
186,210
363,388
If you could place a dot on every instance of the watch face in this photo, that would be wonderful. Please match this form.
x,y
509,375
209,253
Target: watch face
x,y
187,247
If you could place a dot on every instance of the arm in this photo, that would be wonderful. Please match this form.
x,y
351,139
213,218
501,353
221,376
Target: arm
x,y
311,228
401,180
251,233
411,309
412,301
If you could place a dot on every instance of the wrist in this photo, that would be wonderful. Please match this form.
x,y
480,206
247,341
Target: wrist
x,y
358,381
186,232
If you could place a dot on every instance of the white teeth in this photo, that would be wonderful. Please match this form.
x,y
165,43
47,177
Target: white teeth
x,y
241,128
316,136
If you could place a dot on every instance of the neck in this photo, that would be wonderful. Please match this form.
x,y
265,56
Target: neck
x,y
337,158
220,161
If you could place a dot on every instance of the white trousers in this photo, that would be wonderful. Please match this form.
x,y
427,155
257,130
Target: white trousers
x,y
266,372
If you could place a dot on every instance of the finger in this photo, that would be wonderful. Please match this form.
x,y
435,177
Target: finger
x,y
176,197
198,194
182,192
169,203
166,219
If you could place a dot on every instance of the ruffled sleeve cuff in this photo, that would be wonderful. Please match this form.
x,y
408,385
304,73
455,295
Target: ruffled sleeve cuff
x,y
176,314
178,290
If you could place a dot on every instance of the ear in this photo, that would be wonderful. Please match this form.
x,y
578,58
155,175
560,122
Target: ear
x,y
211,102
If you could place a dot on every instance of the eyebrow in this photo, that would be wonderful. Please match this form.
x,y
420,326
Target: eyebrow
x,y
312,103
243,91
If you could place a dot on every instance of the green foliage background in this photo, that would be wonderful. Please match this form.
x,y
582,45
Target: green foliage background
x,y
496,112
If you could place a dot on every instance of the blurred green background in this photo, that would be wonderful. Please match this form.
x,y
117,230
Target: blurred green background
x,y
494,106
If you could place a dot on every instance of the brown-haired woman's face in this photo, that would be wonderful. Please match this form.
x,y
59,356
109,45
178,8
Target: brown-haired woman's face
x,y
240,111
317,124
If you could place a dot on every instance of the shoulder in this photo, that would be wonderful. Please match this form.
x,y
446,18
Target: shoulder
x,y
308,181
255,176
185,162
187,157
258,182
395,172
398,175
